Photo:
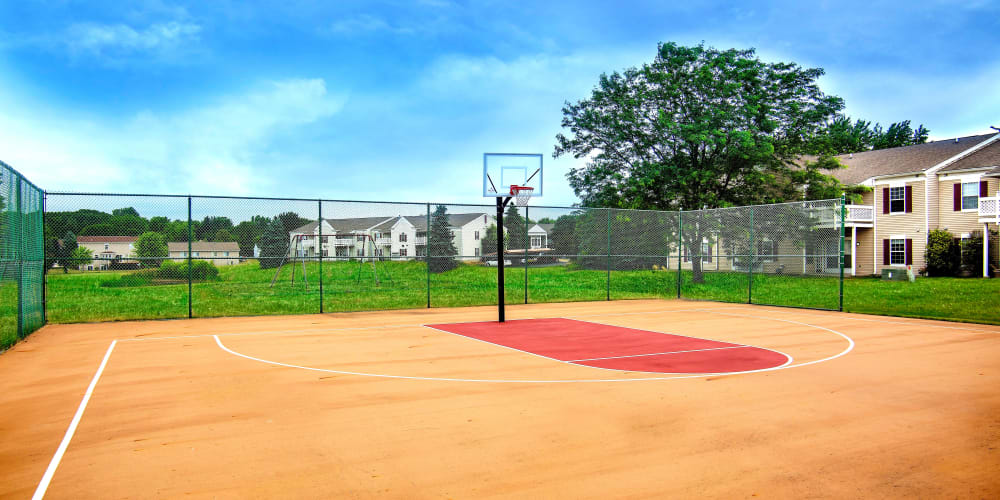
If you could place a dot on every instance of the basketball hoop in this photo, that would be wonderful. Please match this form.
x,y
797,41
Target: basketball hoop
x,y
521,194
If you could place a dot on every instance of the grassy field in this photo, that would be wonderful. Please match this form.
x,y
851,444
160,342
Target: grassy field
x,y
8,313
245,290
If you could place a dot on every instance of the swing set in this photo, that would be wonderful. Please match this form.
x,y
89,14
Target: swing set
x,y
369,254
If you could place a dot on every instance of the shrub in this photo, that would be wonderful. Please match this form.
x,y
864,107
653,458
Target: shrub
x,y
942,254
972,254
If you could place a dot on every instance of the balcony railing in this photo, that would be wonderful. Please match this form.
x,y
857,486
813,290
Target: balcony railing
x,y
860,213
989,209
383,242
421,240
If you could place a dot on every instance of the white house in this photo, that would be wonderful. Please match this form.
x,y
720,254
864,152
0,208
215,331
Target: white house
x,y
108,250
400,236
538,235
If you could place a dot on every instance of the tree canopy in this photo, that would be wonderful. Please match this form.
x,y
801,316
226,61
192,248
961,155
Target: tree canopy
x,y
696,128
842,136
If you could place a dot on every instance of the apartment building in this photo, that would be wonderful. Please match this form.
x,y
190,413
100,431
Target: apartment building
x,y
398,236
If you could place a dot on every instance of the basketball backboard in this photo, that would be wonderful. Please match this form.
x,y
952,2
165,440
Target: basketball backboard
x,y
501,170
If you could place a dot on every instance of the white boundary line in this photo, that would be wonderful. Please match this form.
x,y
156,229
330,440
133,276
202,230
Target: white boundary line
x,y
57,457
787,364
805,312
662,353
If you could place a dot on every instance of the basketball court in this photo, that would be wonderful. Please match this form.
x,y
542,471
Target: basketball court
x,y
646,398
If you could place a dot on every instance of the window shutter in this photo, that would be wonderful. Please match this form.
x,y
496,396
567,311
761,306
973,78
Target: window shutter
x,y
710,253
885,200
909,252
983,187
909,199
958,197
885,252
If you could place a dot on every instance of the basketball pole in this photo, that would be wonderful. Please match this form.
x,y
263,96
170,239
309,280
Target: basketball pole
x,y
501,204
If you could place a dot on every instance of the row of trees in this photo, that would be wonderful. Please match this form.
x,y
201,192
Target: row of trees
x,y
62,229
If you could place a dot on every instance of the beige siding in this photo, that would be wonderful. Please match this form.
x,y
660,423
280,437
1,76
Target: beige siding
x,y
907,225
959,222
863,253
933,200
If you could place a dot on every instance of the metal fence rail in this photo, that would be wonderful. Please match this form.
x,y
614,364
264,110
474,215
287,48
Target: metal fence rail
x,y
118,256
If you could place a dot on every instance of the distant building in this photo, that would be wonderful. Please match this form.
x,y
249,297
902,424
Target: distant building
x,y
108,251
399,236
220,253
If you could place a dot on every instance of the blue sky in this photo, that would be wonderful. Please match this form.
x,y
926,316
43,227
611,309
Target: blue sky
x,y
398,100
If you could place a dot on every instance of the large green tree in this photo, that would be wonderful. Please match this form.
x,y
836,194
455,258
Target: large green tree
x,y
441,249
563,239
151,248
697,128
66,249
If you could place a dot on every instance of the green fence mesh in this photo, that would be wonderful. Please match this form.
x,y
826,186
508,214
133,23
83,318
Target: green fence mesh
x,y
142,257
22,258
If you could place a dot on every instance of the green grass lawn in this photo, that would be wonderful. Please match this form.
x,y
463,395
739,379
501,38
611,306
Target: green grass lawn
x,y
8,313
347,286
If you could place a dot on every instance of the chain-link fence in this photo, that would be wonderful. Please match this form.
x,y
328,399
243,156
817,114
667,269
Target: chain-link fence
x,y
115,257
22,265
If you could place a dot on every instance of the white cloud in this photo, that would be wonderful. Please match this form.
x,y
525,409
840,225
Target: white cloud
x,y
219,148
366,24
115,42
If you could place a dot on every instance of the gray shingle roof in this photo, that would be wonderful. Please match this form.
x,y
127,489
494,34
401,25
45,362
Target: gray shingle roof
x,y
902,160
989,156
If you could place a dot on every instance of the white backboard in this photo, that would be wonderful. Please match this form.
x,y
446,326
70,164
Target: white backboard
x,y
500,170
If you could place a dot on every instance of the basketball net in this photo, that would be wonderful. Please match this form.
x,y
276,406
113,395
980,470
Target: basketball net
x,y
521,194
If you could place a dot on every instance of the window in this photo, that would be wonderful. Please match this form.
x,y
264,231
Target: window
x,y
706,252
402,238
196,254
107,246
226,254
536,242
897,252
215,254
477,251
765,251
402,252
477,236
970,195
897,200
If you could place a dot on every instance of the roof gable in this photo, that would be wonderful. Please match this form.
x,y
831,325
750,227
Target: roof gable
x,y
902,160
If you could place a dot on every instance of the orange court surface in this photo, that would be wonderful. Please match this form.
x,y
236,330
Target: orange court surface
x,y
798,403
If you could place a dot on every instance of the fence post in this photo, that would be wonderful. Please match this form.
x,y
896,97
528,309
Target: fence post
x,y
319,238
20,259
527,244
609,255
843,217
190,287
680,248
753,260
45,264
427,254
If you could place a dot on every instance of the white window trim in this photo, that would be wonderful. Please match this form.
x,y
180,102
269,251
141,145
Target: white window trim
x,y
901,237
969,180
903,211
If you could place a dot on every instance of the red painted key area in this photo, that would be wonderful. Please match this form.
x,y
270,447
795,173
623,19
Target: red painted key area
x,y
618,348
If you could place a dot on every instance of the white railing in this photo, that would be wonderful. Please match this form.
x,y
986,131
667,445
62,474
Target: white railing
x,y
384,242
421,240
344,241
989,208
860,213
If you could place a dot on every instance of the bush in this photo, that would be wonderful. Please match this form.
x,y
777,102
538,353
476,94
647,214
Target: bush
x,y
972,254
201,270
942,254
